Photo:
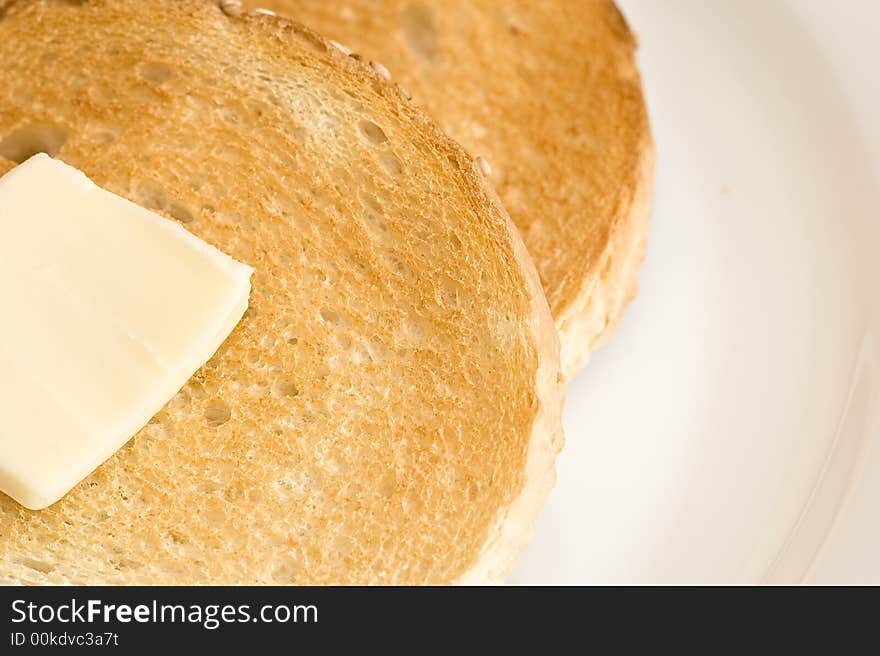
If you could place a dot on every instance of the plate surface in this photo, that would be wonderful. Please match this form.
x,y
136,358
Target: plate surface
x,y
728,431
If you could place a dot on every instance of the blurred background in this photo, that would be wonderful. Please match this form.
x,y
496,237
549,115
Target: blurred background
x,y
728,432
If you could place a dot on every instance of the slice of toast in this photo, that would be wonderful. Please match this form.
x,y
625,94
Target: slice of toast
x,y
549,94
388,410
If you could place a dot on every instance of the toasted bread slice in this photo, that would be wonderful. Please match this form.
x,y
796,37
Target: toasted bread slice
x,y
547,92
388,410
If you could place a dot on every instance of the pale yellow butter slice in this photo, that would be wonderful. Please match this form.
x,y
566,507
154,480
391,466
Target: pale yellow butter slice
x,y
108,309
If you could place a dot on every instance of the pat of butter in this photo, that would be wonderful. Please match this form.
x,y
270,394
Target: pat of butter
x,y
108,309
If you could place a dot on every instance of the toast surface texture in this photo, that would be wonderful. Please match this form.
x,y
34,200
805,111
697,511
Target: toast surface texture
x,y
388,410
549,94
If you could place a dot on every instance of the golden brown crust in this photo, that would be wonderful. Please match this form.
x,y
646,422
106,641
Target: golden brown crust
x,y
549,94
596,313
391,403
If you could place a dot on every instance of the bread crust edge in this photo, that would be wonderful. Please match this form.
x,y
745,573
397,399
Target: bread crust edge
x,y
592,317
515,528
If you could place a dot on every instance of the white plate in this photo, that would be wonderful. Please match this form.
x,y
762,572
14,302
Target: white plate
x,y
728,432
